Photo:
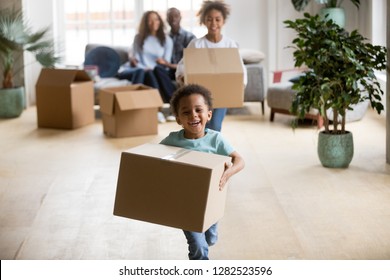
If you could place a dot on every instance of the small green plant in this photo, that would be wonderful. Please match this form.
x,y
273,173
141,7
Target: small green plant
x,y
15,38
300,5
341,70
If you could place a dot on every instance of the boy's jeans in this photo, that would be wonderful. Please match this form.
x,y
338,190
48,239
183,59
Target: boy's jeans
x,y
198,243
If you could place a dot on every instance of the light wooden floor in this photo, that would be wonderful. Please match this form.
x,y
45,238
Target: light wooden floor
x,y
57,190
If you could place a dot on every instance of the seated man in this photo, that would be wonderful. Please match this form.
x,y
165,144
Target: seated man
x,y
181,38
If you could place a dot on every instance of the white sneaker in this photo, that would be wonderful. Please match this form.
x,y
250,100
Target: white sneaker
x,y
160,117
171,118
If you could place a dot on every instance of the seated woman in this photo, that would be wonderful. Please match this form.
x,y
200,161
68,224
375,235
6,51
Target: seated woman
x,y
152,50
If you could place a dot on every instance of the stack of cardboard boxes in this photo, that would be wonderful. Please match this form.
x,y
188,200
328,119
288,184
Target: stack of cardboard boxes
x,y
177,187
156,183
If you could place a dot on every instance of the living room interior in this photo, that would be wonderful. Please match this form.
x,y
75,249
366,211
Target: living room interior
x,y
57,187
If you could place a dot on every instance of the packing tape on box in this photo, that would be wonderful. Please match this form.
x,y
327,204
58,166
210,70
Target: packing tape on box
x,y
212,57
176,155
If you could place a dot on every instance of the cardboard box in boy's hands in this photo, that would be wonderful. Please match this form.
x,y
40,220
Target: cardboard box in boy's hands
x,y
218,69
171,186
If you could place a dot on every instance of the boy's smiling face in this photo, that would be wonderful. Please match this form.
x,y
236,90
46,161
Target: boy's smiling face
x,y
193,114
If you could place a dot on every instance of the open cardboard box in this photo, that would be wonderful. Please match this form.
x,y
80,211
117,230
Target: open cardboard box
x,y
218,69
129,110
65,98
171,186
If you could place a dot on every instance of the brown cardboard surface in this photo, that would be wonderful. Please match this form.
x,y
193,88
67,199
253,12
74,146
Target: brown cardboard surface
x,y
218,69
65,99
171,186
130,110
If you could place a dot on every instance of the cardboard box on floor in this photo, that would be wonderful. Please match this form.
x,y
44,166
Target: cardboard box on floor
x,y
129,110
171,186
65,98
218,69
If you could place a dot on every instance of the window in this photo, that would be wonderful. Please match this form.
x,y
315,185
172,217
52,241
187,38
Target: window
x,y
113,22
379,9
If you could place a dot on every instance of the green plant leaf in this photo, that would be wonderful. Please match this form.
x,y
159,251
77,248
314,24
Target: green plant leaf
x,y
17,36
341,67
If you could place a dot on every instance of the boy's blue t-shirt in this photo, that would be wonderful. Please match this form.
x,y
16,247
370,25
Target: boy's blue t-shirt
x,y
212,142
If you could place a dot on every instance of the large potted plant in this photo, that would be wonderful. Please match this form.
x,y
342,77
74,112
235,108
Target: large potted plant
x,y
16,37
330,8
341,74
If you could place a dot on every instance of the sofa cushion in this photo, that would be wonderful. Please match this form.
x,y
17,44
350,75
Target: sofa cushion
x,y
122,51
106,59
251,56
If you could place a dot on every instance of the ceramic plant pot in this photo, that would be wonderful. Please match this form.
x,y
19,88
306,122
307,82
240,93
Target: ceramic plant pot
x,y
12,102
335,150
336,14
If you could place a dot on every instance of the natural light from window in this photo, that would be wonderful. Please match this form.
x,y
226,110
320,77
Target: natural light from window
x,y
114,22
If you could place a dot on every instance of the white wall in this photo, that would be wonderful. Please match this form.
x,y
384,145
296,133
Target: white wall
x,y
388,88
247,23
40,15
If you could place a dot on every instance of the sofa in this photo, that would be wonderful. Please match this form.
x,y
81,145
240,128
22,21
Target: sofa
x,y
280,96
103,62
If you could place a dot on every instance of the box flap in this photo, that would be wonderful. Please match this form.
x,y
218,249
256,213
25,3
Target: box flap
x,y
61,77
179,155
130,98
82,76
212,60
106,101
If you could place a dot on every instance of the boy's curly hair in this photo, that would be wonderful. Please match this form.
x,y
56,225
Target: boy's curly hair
x,y
209,5
187,90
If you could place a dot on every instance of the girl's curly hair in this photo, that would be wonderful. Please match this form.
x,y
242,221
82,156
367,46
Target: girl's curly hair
x,y
209,5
